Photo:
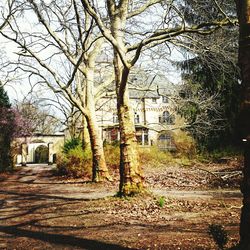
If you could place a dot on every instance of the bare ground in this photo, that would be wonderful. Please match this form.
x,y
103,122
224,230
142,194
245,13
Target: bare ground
x,y
41,211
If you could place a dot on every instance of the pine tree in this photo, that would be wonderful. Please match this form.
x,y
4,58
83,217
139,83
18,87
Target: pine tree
x,y
4,99
6,118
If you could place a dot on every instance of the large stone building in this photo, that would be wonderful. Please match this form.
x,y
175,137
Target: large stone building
x,y
155,115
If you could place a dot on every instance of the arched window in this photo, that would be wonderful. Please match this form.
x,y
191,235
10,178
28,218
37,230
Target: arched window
x,y
167,118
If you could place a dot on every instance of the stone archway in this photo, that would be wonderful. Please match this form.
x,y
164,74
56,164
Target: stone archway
x,y
39,148
41,154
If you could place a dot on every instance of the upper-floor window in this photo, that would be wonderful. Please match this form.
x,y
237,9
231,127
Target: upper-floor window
x,y
115,118
137,118
164,99
166,118
154,100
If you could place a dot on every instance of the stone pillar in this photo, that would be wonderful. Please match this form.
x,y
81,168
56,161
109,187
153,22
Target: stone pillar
x,y
50,153
24,149
142,138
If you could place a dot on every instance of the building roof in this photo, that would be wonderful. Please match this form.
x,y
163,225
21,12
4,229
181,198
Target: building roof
x,y
150,86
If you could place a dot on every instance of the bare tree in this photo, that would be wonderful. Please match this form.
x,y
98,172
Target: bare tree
x,y
39,116
71,116
128,27
201,110
62,54
243,10
7,10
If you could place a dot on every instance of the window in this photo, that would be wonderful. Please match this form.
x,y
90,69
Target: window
x,y
165,142
115,118
164,99
137,118
154,100
111,135
142,137
166,118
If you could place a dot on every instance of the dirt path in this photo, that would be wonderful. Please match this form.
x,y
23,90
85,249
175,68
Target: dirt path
x,y
40,211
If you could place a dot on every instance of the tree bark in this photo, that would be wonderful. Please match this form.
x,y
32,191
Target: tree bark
x,y
243,10
85,134
131,178
99,168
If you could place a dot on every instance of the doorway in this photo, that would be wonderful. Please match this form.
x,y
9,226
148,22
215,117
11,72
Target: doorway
x,y
42,154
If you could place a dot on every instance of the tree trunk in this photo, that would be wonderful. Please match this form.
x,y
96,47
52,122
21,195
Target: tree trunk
x,y
85,134
131,179
5,159
245,211
99,168
243,10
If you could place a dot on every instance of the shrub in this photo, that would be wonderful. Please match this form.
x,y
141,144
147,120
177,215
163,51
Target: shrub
x,y
112,154
71,144
185,144
219,153
154,156
76,162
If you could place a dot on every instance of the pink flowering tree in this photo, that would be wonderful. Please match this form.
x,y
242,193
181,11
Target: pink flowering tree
x,y
12,125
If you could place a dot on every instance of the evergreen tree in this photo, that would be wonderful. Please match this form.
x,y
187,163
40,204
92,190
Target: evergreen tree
x,y
4,99
6,129
215,75
212,67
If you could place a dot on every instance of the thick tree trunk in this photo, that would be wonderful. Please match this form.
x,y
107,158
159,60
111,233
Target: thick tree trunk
x,y
99,168
131,178
245,212
243,9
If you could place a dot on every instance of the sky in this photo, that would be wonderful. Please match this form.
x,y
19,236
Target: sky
x,y
18,89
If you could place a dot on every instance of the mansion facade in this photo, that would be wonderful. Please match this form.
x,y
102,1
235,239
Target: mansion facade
x,y
155,118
